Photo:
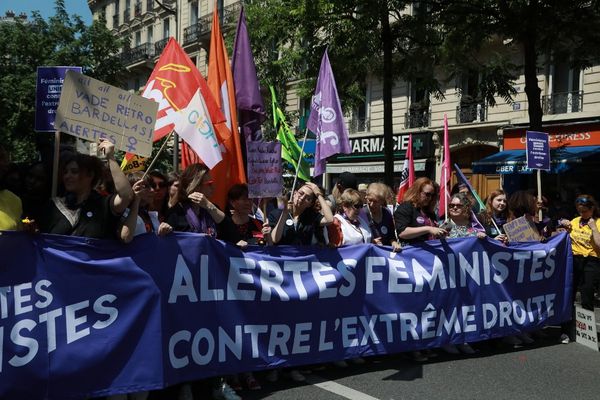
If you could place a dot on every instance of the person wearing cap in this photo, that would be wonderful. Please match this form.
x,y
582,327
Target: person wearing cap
x,y
346,180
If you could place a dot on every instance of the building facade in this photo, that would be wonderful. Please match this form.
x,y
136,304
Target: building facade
x,y
477,131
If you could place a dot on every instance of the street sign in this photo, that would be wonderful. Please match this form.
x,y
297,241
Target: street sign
x,y
538,150
48,87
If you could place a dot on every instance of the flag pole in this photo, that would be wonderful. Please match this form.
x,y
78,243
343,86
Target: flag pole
x,y
298,164
55,163
157,154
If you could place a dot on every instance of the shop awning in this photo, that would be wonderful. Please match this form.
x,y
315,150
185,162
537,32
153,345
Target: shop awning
x,y
513,161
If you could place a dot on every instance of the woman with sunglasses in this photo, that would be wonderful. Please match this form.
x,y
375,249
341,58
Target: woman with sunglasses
x,y
194,212
348,226
585,243
415,217
460,221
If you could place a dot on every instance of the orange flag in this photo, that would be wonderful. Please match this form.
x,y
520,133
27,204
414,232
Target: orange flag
x,y
220,81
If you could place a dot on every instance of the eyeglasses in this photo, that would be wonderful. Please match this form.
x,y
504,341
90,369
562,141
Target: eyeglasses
x,y
583,200
459,206
428,194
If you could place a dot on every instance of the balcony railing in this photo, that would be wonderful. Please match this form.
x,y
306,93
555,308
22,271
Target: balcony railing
x,y
561,103
137,9
418,118
359,125
160,46
194,32
471,112
137,54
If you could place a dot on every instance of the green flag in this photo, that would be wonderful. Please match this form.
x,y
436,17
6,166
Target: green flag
x,y
290,150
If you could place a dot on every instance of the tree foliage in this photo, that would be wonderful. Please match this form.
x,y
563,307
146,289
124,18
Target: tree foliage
x,y
61,40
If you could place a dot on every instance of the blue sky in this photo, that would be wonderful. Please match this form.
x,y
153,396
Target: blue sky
x,y
46,8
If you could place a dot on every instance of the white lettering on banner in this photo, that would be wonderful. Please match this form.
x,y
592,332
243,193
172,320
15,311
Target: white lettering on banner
x,y
351,331
381,273
32,301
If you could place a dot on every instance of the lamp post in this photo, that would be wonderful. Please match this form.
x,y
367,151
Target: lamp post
x,y
174,12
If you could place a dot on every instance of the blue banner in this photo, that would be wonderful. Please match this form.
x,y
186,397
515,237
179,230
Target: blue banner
x,y
84,317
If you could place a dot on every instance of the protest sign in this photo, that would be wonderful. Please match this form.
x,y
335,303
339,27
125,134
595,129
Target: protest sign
x,y
521,230
538,150
91,110
264,169
585,328
48,87
164,310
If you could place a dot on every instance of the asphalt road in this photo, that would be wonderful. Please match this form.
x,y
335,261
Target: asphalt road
x,y
544,370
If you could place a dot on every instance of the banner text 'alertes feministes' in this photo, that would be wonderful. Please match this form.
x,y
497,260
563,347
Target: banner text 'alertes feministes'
x,y
166,310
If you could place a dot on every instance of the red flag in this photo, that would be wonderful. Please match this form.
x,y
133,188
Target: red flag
x,y
220,81
446,173
408,172
172,84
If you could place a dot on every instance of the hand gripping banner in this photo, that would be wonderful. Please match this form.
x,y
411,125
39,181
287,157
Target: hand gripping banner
x,y
84,317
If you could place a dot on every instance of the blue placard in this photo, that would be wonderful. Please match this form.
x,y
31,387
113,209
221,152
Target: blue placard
x,y
538,150
49,85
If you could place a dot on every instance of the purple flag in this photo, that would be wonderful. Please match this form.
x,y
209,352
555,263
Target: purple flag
x,y
326,119
251,109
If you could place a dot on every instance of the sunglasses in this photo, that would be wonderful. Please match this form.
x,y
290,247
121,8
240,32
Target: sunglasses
x,y
455,206
158,185
428,194
583,200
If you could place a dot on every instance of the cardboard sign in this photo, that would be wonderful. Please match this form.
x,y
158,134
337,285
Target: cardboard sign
x,y
538,150
48,87
91,110
585,328
521,230
264,169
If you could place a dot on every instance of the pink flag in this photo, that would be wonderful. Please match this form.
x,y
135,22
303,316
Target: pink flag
x,y
446,173
408,172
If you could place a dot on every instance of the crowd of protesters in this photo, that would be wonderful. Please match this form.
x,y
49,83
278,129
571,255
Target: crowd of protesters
x,y
97,200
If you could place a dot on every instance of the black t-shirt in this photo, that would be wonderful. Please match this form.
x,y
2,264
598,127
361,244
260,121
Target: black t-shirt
x,y
178,219
301,234
406,215
249,232
93,218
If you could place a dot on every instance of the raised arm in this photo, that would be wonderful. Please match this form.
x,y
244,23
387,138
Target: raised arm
x,y
124,193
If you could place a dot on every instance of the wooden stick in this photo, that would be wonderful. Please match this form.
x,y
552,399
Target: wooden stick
x,y
55,163
156,156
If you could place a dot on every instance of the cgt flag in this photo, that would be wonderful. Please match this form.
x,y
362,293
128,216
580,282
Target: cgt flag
x,y
408,172
220,81
290,150
172,84
326,120
251,108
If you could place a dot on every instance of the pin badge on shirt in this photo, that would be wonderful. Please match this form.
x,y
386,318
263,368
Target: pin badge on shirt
x,y
289,222
384,230
89,214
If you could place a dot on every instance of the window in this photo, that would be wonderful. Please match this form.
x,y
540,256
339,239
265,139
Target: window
x,y
138,38
418,110
359,121
166,33
193,13
150,34
472,107
564,89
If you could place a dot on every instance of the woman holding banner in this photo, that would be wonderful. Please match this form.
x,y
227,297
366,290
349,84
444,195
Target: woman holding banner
x,y
83,211
415,218
193,211
495,215
349,227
